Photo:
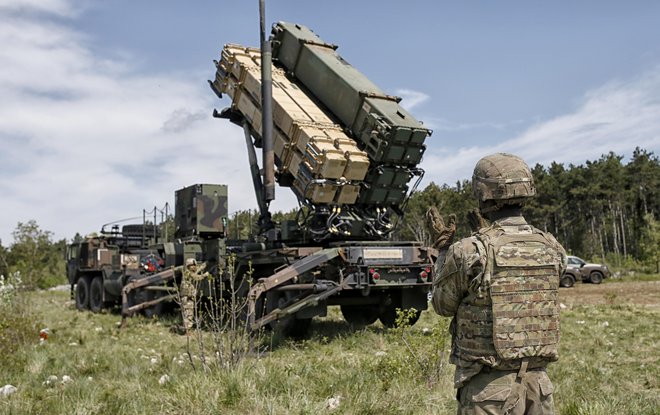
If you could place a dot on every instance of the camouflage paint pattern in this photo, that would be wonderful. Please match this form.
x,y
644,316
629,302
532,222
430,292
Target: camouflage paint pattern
x,y
502,177
524,289
497,299
202,210
499,392
192,275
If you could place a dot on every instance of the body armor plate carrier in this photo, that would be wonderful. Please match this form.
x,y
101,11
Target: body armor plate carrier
x,y
524,282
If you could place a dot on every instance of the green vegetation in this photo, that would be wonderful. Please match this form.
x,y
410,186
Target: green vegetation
x,y
603,211
34,255
634,276
18,322
608,366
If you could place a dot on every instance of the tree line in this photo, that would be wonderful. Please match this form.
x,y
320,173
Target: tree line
x,y
604,209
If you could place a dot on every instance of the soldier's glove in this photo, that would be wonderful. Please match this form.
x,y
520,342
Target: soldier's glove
x,y
199,274
442,233
475,220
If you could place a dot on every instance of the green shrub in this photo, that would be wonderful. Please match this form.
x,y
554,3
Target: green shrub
x,y
18,326
421,356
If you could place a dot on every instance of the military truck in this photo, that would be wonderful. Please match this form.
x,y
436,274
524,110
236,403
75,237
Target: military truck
x,y
100,265
350,154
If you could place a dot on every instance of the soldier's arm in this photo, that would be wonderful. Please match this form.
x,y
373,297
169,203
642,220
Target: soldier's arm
x,y
447,290
564,259
562,254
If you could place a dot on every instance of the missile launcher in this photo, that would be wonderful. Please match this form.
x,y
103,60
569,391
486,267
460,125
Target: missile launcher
x,y
307,142
348,152
387,132
346,149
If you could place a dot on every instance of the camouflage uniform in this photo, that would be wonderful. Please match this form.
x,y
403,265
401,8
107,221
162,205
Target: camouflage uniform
x,y
501,286
191,277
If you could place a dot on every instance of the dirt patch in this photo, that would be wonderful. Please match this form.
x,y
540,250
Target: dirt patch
x,y
644,293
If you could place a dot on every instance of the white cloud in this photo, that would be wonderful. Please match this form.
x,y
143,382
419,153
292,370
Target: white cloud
x,y
410,98
56,7
617,117
443,124
85,140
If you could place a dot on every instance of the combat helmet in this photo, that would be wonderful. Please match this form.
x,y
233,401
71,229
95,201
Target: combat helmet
x,y
503,179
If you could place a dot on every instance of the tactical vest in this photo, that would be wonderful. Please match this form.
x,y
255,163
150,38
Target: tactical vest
x,y
512,311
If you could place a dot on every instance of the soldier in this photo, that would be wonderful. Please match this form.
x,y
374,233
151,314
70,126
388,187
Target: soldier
x,y
500,286
191,277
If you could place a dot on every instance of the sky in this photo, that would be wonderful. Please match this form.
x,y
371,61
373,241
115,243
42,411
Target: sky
x,y
105,109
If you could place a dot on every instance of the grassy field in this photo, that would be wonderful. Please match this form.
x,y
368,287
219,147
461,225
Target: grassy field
x,y
609,364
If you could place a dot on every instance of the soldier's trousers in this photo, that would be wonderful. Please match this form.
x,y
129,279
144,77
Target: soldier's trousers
x,y
188,312
188,299
503,392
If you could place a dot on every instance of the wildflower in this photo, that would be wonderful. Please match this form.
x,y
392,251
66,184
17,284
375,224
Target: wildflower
x,y
333,403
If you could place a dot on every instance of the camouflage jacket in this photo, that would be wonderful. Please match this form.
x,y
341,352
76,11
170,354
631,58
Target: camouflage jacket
x,y
459,281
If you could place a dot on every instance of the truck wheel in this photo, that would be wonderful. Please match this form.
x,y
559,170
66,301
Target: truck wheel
x,y
82,293
596,277
567,281
155,310
298,327
389,316
96,295
359,317
139,296
288,326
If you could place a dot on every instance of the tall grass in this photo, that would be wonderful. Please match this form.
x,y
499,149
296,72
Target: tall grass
x,y
608,365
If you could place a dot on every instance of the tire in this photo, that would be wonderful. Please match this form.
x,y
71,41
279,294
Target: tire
x,y
139,296
567,281
298,328
359,317
155,310
82,293
139,230
96,295
389,315
596,277
289,326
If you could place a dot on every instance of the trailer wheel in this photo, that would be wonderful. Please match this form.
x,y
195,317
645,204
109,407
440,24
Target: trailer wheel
x,y
82,293
155,310
96,295
298,327
359,317
389,316
288,326
139,296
